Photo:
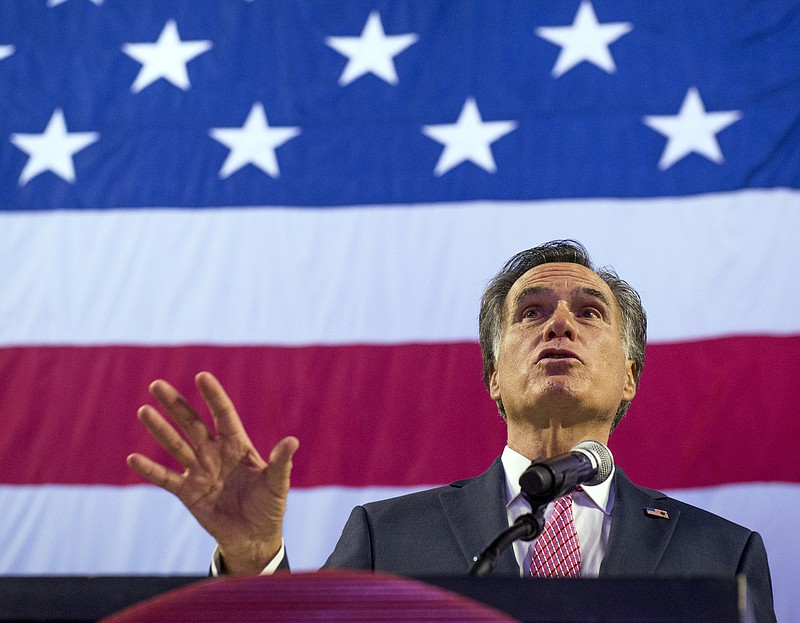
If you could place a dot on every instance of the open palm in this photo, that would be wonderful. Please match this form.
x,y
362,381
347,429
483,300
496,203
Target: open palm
x,y
237,496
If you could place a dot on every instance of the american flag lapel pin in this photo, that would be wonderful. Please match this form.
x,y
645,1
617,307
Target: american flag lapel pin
x,y
656,512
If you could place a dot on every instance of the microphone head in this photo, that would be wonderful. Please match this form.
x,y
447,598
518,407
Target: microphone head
x,y
600,456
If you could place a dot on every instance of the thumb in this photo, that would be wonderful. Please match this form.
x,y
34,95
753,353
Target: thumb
x,y
280,463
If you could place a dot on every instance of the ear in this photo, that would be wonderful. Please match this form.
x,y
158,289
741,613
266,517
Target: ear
x,y
629,391
494,386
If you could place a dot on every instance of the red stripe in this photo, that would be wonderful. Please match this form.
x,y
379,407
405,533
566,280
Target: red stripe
x,y
714,412
707,412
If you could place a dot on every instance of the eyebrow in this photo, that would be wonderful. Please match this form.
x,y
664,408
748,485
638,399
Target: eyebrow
x,y
584,290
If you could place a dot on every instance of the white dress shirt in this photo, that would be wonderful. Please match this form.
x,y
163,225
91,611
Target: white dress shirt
x,y
591,509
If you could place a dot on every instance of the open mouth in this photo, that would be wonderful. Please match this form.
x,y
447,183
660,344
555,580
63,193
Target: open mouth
x,y
555,355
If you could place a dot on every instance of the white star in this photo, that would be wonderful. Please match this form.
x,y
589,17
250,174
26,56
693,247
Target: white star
x,y
52,3
6,51
52,150
468,138
692,130
254,143
166,58
584,40
372,52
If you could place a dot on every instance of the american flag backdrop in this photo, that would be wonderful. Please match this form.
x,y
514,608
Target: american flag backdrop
x,y
306,198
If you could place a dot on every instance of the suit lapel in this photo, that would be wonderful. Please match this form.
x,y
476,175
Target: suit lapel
x,y
476,510
637,540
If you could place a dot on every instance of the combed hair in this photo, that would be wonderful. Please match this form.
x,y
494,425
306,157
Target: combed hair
x,y
491,317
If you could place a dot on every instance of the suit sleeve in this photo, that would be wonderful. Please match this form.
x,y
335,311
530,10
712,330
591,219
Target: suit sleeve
x,y
754,566
354,549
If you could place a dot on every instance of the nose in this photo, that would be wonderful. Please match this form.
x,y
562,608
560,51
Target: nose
x,y
560,323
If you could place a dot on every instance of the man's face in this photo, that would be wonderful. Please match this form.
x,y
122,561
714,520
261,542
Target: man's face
x,y
561,353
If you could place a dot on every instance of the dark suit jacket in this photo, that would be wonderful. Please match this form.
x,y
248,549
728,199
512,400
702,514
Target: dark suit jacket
x,y
437,532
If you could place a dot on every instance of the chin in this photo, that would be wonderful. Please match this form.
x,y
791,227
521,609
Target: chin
x,y
561,388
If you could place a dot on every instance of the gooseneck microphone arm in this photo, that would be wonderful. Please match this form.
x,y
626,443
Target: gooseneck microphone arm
x,y
526,528
589,462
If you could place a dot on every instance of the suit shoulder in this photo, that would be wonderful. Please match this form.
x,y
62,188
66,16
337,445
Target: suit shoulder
x,y
690,513
712,522
423,497
488,485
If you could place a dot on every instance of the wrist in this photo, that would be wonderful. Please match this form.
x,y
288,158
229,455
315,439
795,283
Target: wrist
x,y
251,558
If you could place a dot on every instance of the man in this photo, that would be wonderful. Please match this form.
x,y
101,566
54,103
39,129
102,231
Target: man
x,y
563,350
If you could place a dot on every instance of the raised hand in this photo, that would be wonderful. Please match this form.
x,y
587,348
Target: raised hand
x,y
239,498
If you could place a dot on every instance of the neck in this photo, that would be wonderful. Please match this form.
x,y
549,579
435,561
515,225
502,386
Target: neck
x,y
534,443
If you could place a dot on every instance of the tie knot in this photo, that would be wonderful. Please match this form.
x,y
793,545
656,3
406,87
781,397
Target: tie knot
x,y
564,501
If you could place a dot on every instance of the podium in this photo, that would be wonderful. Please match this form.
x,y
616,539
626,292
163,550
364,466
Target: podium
x,y
351,596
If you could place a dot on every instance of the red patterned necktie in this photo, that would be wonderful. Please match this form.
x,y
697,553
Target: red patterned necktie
x,y
556,553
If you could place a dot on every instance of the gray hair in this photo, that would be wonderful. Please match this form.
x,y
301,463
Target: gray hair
x,y
490,319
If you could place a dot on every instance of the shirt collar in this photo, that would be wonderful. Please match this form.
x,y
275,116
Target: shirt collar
x,y
514,464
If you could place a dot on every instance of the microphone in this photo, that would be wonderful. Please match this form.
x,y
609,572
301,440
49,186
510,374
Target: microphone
x,y
589,463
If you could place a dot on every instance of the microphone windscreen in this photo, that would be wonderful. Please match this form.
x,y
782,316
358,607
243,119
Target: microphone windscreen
x,y
600,455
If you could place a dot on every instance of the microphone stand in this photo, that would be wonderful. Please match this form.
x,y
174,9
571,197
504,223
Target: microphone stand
x,y
526,527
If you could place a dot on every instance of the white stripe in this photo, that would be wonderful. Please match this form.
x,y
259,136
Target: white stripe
x,y
706,266
79,530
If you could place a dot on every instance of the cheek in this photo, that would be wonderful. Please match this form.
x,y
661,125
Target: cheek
x,y
613,350
615,361
509,361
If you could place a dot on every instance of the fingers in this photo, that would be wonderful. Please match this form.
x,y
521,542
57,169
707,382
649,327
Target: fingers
x,y
157,474
197,450
180,411
283,451
280,464
222,410
166,436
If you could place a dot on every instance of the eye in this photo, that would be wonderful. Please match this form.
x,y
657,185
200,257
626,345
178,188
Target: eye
x,y
531,312
590,312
